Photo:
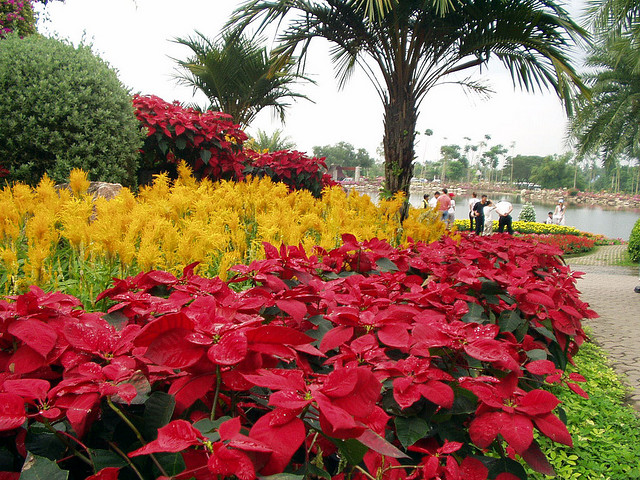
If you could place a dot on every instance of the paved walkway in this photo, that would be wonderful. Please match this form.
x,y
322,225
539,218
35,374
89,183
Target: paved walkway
x,y
609,291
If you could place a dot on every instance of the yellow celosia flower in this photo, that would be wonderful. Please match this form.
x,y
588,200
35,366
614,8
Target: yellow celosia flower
x,y
78,182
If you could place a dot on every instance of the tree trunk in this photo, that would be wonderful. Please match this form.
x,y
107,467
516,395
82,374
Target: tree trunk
x,y
400,118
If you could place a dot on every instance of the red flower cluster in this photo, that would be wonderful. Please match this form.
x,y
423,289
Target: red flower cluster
x,y
407,363
212,145
567,243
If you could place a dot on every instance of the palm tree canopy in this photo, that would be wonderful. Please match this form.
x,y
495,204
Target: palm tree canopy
x,y
608,123
530,37
238,76
414,45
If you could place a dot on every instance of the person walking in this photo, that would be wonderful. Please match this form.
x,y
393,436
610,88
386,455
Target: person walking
x,y
478,209
472,201
504,209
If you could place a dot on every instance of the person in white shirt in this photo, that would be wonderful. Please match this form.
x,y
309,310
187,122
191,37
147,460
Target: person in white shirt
x,y
549,220
472,201
451,215
504,209
558,213
488,210
434,200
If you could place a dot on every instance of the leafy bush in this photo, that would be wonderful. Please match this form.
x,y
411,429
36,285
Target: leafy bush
x,y
634,242
362,362
62,108
528,213
17,16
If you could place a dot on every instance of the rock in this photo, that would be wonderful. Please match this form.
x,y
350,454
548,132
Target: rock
x,y
104,189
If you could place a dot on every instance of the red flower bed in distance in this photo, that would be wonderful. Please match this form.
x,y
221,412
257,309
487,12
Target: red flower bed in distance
x,y
365,361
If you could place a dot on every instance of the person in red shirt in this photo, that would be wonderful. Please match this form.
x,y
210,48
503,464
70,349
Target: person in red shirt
x,y
444,203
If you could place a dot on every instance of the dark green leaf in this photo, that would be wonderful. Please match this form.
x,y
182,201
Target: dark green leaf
x,y
537,354
157,413
116,319
309,470
386,265
205,155
172,463
106,458
181,143
544,331
510,320
500,465
42,442
41,468
411,429
475,314
352,449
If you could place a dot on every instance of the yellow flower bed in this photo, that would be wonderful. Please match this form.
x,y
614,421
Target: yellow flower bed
x,y
48,237
529,227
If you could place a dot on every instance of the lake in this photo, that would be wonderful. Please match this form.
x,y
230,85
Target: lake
x,y
611,222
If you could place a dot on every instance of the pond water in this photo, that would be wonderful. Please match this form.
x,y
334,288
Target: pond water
x,y
611,222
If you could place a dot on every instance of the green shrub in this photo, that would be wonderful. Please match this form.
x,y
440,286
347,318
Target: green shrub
x,y
528,213
61,108
634,243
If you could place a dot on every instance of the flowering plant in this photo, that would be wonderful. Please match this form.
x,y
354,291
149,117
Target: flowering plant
x,y
363,362
17,16
567,243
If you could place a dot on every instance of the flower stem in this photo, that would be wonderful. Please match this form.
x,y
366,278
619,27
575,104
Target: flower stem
x,y
217,394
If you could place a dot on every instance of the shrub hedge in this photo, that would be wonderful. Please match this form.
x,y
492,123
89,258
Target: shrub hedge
x,y
634,243
61,108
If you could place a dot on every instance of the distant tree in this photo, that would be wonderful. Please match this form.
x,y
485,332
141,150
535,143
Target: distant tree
x,y
238,76
270,142
522,166
448,153
490,159
344,154
555,172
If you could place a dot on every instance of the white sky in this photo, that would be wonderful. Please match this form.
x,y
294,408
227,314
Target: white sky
x,y
134,36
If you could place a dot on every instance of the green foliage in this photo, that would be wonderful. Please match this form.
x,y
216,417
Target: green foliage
x,y
605,431
528,213
522,167
61,108
344,154
17,16
270,142
634,243
238,76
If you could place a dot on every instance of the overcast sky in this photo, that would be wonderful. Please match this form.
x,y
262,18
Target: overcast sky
x,y
134,36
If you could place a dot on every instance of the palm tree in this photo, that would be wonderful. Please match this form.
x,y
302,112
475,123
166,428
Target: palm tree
x,y
414,45
608,123
238,76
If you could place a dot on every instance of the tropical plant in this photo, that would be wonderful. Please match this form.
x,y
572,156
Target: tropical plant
x,y
62,108
414,45
263,141
606,122
238,76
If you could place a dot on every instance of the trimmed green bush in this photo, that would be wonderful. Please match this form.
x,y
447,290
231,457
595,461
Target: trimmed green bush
x,y
634,243
61,108
528,213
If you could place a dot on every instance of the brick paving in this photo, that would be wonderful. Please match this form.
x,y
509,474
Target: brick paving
x,y
609,291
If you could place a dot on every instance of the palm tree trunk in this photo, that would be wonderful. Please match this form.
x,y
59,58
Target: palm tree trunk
x,y
400,118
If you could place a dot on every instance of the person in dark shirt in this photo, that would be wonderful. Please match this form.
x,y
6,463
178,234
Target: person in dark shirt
x,y
478,210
